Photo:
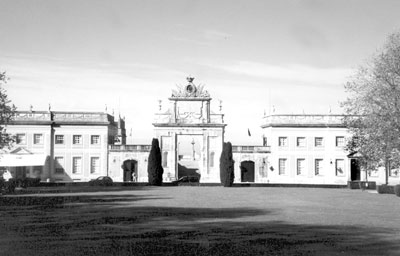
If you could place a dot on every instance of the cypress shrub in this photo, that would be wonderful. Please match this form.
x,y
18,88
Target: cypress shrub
x,y
397,190
226,165
154,167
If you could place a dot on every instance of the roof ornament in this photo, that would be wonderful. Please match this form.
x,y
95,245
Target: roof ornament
x,y
190,90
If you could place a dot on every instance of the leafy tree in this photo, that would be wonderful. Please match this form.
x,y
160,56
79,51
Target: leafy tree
x,y
226,165
154,167
7,111
373,108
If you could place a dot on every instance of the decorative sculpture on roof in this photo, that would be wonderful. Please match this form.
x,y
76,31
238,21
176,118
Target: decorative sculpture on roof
x,y
190,90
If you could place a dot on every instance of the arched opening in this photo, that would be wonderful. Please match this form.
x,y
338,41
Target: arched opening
x,y
247,171
130,170
189,153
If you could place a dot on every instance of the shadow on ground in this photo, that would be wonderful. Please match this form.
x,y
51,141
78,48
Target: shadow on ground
x,y
115,225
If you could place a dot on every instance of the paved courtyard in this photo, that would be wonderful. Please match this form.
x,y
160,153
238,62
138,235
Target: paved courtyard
x,y
201,221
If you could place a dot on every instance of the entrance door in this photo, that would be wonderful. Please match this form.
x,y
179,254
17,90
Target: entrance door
x,y
355,169
247,171
130,170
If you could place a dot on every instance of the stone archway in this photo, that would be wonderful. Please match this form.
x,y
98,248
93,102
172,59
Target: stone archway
x,y
189,116
129,168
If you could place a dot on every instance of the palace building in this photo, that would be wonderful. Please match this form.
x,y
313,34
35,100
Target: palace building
x,y
80,146
61,146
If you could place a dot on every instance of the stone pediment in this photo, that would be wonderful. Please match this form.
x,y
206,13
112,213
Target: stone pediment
x,y
190,90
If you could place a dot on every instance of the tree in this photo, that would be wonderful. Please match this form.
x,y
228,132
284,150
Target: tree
x,y
154,167
226,165
373,108
7,111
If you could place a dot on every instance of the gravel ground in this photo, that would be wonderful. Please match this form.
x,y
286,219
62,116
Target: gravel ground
x,y
201,221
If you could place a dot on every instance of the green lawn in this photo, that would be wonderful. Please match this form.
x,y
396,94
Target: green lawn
x,y
201,221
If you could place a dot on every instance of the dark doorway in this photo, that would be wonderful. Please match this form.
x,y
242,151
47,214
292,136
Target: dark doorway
x,y
247,171
21,172
354,170
130,170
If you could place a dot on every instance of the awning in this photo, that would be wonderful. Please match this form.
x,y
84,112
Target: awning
x,y
354,155
22,159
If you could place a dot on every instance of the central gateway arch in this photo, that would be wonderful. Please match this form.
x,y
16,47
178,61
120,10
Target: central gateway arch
x,y
190,135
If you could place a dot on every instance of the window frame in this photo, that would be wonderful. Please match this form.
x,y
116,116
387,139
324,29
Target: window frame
x,y
41,141
316,144
283,139
318,166
59,165
282,171
298,142
79,170
59,142
77,139
93,167
339,139
18,139
93,141
337,173
300,168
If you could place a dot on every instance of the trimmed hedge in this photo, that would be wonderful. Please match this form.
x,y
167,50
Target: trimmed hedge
x,y
10,185
397,190
385,189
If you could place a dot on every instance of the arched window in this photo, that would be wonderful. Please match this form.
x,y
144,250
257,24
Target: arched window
x,y
165,159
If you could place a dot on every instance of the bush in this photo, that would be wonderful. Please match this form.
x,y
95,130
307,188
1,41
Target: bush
x,y
154,166
385,189
10,185
397,190
226,165
29,182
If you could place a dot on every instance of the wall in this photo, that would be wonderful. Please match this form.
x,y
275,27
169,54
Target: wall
x,y
328,152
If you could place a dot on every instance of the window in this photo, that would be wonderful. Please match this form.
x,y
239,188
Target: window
x,y
21,138
212,156
76,165
94,165
37,139
265,141
300,166
59,139
319,142
301,142
95,139
339,164
165,159
282,142
339,141
318,166
77,139
282,166
59,164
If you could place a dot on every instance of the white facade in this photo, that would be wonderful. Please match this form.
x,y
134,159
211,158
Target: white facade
x,y
309,149
75,144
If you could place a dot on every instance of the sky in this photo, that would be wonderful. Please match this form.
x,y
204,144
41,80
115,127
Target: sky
x,y
290,56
